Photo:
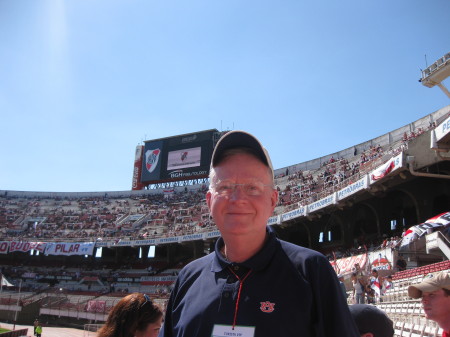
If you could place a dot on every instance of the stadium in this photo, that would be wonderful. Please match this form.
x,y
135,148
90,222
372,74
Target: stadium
x,y
68,258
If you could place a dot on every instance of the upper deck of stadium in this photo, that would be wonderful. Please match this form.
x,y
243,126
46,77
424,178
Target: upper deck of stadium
x,y
181,211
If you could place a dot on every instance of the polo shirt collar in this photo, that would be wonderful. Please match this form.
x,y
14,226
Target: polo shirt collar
x,y
257,262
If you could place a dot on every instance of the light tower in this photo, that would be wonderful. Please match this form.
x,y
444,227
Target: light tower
x,y
436,73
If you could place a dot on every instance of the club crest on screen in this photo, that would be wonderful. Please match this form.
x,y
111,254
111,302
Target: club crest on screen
x,y
151,159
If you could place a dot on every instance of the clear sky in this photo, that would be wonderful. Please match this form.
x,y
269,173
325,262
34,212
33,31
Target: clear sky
x,y
82,82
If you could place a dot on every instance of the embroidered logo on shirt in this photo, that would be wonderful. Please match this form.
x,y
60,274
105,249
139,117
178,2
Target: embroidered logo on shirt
x,y
267,307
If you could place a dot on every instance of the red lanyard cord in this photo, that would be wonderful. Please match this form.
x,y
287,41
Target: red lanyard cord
x,y
241,283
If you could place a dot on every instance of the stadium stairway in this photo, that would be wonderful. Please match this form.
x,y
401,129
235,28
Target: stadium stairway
x,y
29,313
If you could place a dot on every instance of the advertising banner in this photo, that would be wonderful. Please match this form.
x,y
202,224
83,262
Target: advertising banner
x,y
385,169
70,248
4,246
324,202
443,129
361,184
96,306
136,182
24,247
274,220
346,264
293,214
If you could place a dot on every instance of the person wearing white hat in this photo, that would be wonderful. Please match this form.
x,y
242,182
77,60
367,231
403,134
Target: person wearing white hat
x,y
435,293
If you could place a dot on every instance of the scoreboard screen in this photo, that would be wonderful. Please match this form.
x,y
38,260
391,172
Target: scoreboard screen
x,y
175,158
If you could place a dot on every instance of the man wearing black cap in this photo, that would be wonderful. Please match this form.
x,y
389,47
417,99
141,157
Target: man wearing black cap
x,y
253,284
371,321
435,293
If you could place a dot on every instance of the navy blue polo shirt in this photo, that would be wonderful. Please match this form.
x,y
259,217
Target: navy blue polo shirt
x,y
288,291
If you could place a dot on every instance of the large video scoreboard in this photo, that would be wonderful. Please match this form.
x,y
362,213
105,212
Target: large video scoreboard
x,y
182,157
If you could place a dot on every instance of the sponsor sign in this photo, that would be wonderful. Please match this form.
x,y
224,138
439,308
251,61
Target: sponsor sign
x,y
346,264
96,306
24,247
4,246
172,239
137,171
214,234
443,129
381,263
70,248
177,174
361,184
390,166
324,202
158,278
274,220
293,214
64,277
125,279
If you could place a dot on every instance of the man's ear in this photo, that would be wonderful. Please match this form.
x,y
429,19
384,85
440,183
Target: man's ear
x,y
208,199
274,199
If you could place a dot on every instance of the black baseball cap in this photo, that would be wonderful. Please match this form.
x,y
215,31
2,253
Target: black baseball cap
x,y
369,318
236,139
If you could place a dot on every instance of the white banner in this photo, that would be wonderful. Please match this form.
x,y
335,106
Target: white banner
x,y
346,264
150,242
361,184
158,278
443,129
293,214
273,220
24,247
385,169
4,246
324,202
70,248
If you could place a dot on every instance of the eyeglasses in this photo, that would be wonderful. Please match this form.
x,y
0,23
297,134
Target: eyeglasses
x,y
253,189
147,300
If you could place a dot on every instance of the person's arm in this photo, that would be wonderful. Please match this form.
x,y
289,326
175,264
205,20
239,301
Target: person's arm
x,y
331,313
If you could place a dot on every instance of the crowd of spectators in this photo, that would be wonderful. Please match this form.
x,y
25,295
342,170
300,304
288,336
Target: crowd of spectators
x,y
305,187
171,213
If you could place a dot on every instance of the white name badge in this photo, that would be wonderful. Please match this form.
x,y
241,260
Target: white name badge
x,y
228,331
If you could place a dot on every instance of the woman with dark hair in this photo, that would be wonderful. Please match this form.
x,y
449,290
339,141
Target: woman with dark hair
x,y
135,315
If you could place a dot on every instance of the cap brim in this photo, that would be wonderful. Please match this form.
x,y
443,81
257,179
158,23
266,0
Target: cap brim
x,y
414,292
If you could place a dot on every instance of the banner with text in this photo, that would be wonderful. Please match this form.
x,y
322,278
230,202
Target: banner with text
x,y
347,191
4,246
70,248
385,169
24,247
324,202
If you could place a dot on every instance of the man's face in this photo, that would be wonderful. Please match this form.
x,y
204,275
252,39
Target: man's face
x,y
239,213
436,305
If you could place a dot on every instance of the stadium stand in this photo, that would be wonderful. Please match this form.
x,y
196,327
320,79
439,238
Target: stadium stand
x,y
86,288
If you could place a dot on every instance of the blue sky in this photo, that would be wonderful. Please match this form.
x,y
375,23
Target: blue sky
x,y
83,82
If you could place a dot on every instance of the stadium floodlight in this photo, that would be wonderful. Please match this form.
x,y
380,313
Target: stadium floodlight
x,y
436,73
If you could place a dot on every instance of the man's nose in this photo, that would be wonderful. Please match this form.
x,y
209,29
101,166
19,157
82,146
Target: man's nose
x,y
238,192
